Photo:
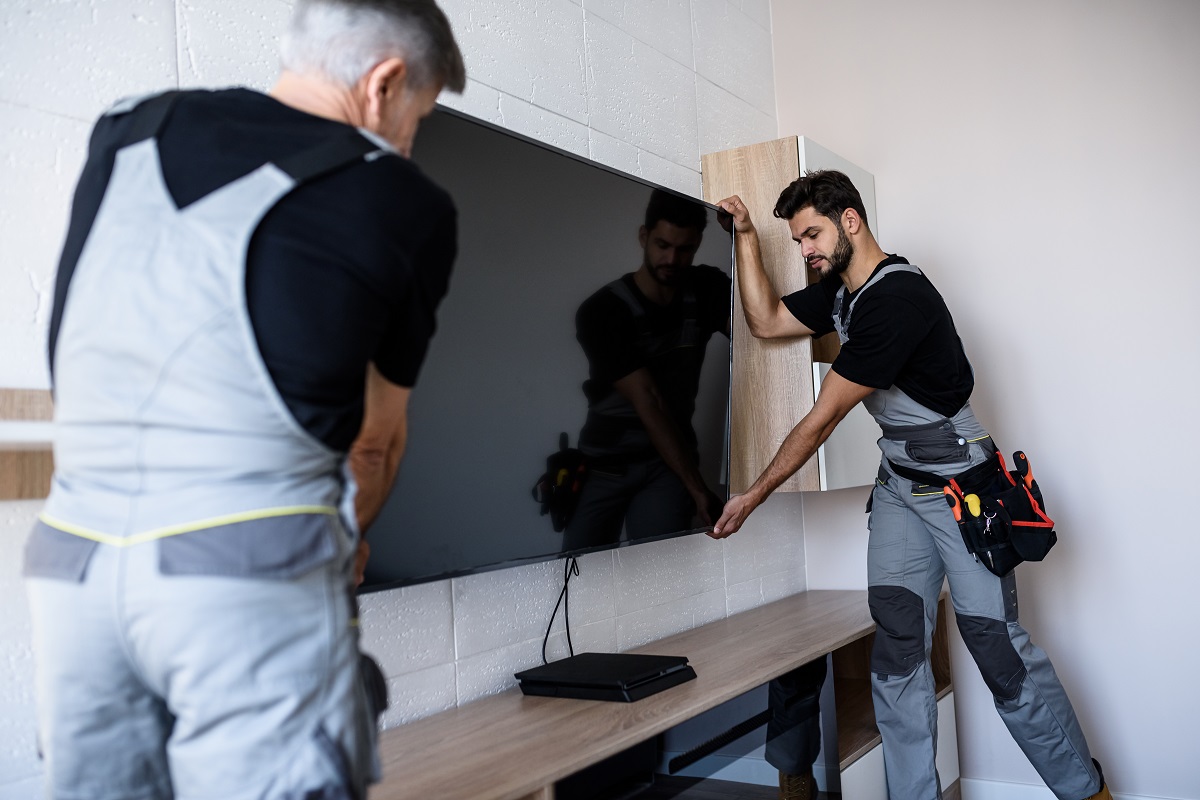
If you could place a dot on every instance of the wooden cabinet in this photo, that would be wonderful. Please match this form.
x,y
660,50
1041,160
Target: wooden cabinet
x,y
776,382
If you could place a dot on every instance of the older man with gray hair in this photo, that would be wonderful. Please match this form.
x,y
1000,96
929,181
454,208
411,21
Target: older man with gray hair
x,y
245,296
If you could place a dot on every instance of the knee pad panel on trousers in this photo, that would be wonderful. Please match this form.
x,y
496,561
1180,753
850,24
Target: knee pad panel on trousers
x,y
994,654
899,616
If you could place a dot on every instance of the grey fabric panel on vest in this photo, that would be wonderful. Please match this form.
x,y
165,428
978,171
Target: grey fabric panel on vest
x,y
51,553
275,547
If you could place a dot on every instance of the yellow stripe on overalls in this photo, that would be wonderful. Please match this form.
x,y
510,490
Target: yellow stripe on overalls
x,y
187,527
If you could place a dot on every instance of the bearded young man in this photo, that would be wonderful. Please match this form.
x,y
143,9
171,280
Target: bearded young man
x,y
902,358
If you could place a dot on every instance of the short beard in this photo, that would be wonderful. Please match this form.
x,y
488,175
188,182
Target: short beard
x,y
659,278
843,252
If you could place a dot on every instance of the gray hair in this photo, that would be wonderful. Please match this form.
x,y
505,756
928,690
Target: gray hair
x,y
341,40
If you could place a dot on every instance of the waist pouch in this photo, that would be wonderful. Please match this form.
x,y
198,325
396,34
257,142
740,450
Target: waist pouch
x,y
1000,512
557,490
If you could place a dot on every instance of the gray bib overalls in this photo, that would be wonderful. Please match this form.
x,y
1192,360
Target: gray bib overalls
x,y
194,628
914,545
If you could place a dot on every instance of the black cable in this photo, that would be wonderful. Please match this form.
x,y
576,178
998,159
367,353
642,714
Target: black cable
x,y
570,567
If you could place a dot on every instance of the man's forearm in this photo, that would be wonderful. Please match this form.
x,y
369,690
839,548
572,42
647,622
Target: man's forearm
x,y
759,298
374,469
668,442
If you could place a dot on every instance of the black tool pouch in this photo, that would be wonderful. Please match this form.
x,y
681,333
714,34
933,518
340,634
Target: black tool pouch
x,y
557,490
1011,525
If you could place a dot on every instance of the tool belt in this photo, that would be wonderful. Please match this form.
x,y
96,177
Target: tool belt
x,y
558,488
1000,512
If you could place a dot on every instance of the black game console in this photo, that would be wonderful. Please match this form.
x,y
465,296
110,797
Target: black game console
x,y
620,677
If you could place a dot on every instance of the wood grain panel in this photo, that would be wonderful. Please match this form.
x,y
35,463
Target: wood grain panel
x,y
25,474
510,746
772,380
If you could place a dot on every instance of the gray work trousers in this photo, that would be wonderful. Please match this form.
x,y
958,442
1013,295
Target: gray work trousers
x,y
914,544
168,687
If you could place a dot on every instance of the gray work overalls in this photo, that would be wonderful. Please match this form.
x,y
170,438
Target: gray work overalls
x,y
194,627
914,544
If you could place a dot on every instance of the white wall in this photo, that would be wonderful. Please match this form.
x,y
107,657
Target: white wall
x,y
1039,161
644,87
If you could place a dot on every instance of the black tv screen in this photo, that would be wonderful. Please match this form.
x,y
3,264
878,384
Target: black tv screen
x,y
484,482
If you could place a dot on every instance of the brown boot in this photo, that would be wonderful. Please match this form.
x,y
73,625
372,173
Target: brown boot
x,y
797,787
1103,794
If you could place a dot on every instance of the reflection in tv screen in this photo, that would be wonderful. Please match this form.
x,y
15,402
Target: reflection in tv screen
x,y
575,395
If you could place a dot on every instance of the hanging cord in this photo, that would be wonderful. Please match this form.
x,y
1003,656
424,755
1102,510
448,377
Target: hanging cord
x,y
570,567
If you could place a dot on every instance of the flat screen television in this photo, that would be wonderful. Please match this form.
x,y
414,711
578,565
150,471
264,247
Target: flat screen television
x,y
502,387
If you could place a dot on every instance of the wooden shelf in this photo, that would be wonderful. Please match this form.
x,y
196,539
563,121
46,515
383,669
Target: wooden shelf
x,y
25,470
510,746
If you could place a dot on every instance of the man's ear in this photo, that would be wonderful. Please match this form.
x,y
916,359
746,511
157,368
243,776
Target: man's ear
x,y
851,221
386,79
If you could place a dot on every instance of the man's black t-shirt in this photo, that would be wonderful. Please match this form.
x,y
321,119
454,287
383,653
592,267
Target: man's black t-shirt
x,y
345,270
901,334
607,331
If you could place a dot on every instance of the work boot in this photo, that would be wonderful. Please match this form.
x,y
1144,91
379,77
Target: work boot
x,y
797,787
1103,794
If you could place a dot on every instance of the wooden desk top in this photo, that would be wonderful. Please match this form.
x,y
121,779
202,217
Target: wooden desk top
x,y
511,746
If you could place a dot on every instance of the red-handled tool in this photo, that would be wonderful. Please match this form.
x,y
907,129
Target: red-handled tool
x,y
1023,469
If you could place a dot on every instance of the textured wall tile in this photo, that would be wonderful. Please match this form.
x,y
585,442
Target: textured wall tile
x,y
639,95
745,596
665,25
545,126
18,744
656,573
77,58
408,629
759,11
599,637
779,585
649,624
530,49
420,694
229,42
40,158
492,609
727,121
733,52
612,152
491,672
481,102
668,173
771,541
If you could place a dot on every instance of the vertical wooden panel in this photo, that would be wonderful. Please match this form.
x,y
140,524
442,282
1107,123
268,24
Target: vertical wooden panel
x,y
772,380
25,474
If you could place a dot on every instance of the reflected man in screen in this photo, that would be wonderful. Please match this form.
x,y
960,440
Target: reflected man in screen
x,y
645,336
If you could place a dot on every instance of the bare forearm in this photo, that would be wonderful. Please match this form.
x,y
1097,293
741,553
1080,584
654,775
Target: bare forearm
x,y
759,298
374,469
797,448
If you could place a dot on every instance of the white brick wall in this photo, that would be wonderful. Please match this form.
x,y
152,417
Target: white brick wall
x,y
643,87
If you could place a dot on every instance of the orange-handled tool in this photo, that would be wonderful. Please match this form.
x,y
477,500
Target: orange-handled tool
x,y
955,505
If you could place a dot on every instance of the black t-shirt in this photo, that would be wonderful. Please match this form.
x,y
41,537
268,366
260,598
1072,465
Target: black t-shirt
x,y
608,333
345,270
901,334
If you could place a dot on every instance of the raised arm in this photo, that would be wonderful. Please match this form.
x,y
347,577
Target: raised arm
x,y
766,314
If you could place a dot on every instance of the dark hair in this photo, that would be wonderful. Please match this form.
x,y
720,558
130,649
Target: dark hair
x,y
828,191
676,210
